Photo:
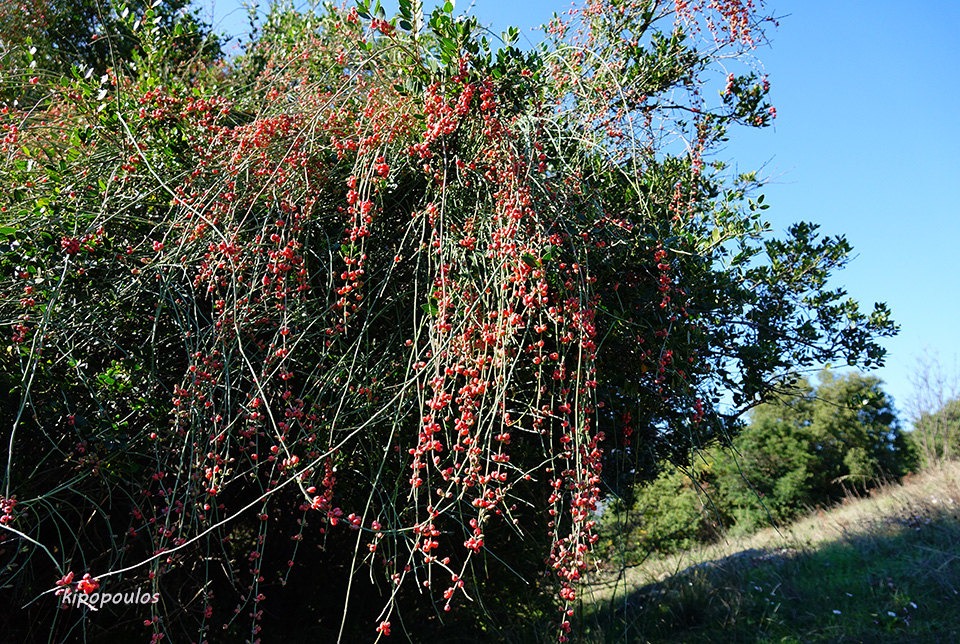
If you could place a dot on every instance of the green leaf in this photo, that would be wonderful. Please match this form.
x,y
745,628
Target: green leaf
x,y
7,231
431,307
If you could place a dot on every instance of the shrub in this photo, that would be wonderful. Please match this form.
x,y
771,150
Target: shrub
x,y
370,313
811,449
674,512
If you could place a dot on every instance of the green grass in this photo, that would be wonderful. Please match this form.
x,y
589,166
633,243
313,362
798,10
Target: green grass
x,y
885,568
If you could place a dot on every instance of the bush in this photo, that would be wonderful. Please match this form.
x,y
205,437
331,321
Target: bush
x,y
811,449
674,512
350,331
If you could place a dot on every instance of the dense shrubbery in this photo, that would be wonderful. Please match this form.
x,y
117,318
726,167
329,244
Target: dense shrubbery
x,y
802,451
353,330
810,450
676,511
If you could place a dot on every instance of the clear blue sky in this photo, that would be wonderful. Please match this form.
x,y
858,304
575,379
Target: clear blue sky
x,y
866,144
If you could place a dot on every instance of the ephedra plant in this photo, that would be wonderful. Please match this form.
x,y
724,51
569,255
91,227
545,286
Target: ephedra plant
x,y
349,335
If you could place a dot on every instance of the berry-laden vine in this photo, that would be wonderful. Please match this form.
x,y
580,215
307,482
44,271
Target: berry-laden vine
x,y
350,335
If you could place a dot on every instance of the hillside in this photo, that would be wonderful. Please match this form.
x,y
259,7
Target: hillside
x,y
883,568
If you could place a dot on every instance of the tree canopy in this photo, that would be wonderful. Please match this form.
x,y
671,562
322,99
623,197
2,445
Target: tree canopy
x,y
801,450
97,34
811,449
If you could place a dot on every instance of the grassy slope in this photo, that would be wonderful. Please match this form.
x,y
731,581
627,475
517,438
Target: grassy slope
x,y
879,569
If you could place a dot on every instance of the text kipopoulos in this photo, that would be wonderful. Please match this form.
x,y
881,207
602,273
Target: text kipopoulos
x,y
98,600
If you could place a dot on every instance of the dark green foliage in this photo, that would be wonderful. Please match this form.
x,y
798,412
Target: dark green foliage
x,y
769,477
673,512
805,450
811,449
98,34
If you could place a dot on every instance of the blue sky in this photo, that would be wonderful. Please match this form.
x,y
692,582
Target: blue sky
x,y
865,144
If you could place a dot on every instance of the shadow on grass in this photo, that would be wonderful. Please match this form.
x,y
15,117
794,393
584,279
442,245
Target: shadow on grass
x,y
898,581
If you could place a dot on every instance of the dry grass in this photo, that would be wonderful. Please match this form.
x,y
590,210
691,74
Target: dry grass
x,y
885,567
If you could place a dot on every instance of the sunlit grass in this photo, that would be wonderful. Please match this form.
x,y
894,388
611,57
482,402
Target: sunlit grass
x,y
879,568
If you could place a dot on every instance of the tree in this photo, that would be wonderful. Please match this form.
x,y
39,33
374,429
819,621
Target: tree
x,y
769,472
934,411
810,449
56,36
937,434
391,292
